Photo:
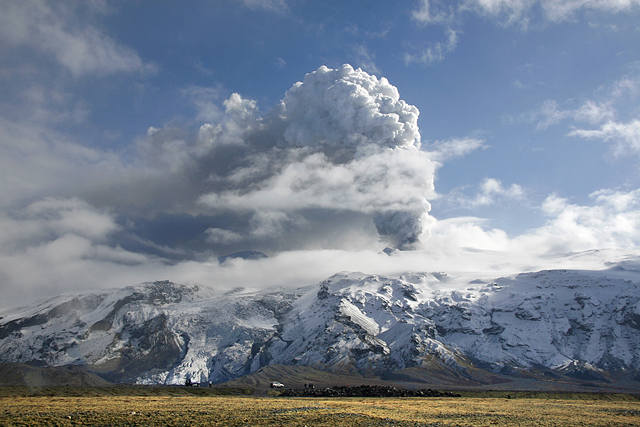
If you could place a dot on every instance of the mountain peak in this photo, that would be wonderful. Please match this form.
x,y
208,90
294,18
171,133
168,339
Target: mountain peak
x,y
573,325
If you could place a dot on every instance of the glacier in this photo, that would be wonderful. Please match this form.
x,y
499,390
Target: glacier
x,y
570,323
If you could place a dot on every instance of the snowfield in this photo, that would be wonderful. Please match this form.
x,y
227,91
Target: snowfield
x,y
581,323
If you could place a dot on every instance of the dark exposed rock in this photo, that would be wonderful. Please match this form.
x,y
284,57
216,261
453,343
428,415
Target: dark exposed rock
x,y
365,391
323,292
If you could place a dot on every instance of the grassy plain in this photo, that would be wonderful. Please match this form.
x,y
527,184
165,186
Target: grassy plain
x,y
177,408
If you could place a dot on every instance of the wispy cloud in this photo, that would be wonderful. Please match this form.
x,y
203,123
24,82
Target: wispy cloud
x,y
624,136
433,52
549,114
443,150
270,5
522,12
434,12
365,59
56,29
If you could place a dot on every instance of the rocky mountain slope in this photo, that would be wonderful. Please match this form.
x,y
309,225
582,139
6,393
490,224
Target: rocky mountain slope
x,y
424,327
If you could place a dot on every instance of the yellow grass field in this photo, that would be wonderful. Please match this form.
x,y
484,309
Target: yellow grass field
x,y
273,411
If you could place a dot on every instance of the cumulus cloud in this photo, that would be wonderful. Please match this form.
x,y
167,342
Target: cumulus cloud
x,y
611,221
206,101
59,30
336,168
449,235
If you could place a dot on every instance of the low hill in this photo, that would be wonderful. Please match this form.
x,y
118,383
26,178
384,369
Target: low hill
x,y
17,374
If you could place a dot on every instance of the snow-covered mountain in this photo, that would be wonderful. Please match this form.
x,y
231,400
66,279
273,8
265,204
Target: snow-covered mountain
x,y
556,323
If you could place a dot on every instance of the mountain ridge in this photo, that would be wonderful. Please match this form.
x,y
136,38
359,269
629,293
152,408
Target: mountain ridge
x,y
572,326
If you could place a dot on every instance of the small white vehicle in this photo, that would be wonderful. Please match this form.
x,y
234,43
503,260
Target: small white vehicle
x,y
276,384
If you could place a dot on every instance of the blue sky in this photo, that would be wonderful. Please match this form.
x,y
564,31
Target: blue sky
x,y
141,140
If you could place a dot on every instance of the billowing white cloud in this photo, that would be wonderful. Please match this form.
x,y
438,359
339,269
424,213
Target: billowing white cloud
x,y
347,108
450,235
398,180
64,247
55,28
340,140
613,221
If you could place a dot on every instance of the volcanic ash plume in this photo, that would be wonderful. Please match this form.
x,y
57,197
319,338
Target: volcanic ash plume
x,y
400,229
341,140
347,108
